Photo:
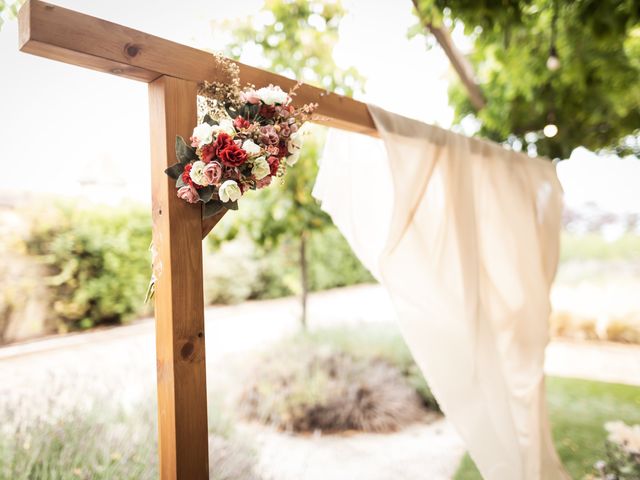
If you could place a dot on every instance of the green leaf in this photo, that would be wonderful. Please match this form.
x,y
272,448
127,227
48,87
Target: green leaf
x,y
179,182
211,208
175,171
184,152
232,205
206,193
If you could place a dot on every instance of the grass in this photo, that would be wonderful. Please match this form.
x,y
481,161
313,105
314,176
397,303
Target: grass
x,y
594,247
578,411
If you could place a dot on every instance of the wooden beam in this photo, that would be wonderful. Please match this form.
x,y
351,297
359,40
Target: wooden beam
x,y
71,37
457,59
179,302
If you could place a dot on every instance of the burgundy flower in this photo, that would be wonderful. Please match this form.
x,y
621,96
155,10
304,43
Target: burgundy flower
x,y
232,155
222,142
274,164
267,111
207,153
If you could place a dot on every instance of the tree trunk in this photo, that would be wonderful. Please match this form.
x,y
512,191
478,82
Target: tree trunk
x,y
304,279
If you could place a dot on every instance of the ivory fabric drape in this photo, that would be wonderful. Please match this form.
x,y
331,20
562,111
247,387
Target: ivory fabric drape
x,y
464,236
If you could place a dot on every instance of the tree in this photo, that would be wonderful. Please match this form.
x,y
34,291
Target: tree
x,y
573,64
9,10
296,38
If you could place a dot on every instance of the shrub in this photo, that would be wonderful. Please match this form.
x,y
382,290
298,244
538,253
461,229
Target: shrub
x,y
239,270
301,389
569,325
106,443
377,342
99,262
624,329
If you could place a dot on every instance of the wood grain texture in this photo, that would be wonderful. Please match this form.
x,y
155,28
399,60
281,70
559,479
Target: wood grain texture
x,y
71,37
179,303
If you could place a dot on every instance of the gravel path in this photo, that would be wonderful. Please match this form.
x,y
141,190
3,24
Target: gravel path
x,y
119,363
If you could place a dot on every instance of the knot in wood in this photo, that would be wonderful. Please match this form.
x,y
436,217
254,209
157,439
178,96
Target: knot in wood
x,y
187,350
131,49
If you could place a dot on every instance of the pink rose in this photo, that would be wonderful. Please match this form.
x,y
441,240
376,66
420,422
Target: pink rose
x,y
285,131
213,173
264,182
268,135
188,193
250,96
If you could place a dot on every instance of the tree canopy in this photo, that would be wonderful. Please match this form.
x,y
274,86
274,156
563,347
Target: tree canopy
x,y
592,94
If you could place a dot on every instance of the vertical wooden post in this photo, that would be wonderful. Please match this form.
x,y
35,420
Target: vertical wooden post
x,y
179,303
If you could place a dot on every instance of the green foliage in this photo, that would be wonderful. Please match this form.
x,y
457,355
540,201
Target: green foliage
x,y
296,38
239,270
9,10
594,97
594,247
99,261
578,411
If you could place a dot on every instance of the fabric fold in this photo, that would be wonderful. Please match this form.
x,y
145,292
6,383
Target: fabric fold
x,y
464,236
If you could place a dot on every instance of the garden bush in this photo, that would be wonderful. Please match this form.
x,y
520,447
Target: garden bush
x,y
99,262
337,379
239,270
300,389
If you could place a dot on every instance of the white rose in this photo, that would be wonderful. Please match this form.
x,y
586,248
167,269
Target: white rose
x,y
251,147
293,158
295,142
226,126
203,134
272,95
229,191
197,173
260,168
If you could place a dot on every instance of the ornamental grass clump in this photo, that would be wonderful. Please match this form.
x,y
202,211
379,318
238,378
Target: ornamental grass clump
x,y
301,389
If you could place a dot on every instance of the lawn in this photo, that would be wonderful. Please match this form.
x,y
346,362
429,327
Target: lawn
x,y
578,410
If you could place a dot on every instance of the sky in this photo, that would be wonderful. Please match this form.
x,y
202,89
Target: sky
x,y
72,131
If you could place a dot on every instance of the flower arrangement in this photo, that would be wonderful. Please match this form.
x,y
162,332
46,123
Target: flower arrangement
x,y
623,453
246,138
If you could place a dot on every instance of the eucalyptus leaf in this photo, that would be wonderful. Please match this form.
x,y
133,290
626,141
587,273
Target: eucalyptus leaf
x,y
232,205
179,182
206,193
175,170
184,152
211,208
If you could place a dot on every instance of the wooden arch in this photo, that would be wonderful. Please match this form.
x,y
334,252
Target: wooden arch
x,y
173,72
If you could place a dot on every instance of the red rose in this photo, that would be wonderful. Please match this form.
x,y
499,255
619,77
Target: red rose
x,y
232,155
207,153
222,142
240,122
274,163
